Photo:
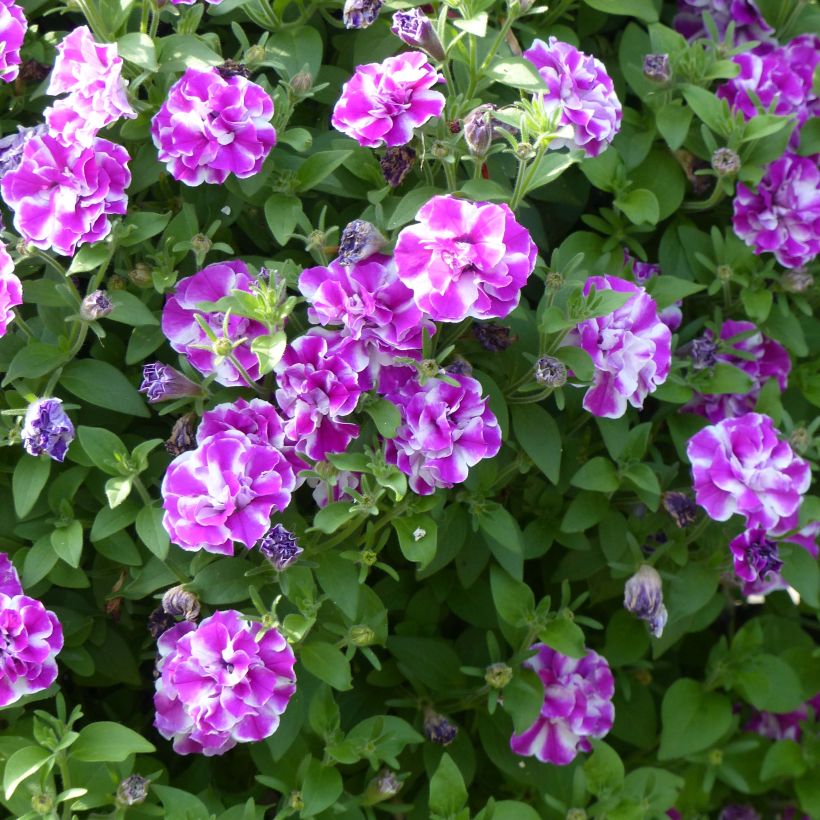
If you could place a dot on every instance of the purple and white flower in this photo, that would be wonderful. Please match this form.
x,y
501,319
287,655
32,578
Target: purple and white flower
x,y
577,706
755,556
749,22
580,88
30,639
414,28
465,258
741,465
47,429
62,195
631,350
161,382
223,682
224,492
445,430
186,336
211,126
11,290
13,26
785,725
383,102
783,216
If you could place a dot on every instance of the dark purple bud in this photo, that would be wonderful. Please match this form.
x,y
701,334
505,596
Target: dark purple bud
x,y
479,127
550,372
415,28
47,429
132,791
161,382
683,509
160,621
359,240
439,729
643,597
230,68
396,164
703,353
95,306
183,435
492,336
181,603
280,547
459,367
656,68
725,162
737,811
361,13
32,71
12,146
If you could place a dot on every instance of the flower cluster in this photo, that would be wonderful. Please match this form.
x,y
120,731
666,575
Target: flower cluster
x,y
90,73
630,350
223,682
464,259
759,357
13,26
228,353
383,102
30,639
445,430
783,216
581,90
223,491
62,195
577,706
740,465
211,125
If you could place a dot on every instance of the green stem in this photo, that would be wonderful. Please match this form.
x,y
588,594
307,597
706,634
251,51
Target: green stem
x,y
244,373
137,484
65,778
347,532
714,198
97,24
518,190
23,325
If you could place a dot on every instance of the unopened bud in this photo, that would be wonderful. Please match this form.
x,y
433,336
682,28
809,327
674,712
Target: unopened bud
x,y
498,675
479,128
524,151
800,439
555,280
141,275
201,244
255,54
43,804
230,68
396,163
382,787
439,729
459,366
492,336
301,82
95,306
160,621
361,13
295,801
724,273
656,68
725,162
550,372
368,557
440,150
183,435
223,347
362,635
703,353
280,547
116,282
683,509
576,814
358,241
643,597
181,603
797,280
132,791
416,29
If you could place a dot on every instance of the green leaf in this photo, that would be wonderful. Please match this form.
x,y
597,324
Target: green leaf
x,y
328,663
604,771
109,742
108,521
409,206
418,535
524,698
30,476
692,720
808,793
707,107
666,290
584,511
768,683
640,206
517,72
139,226
317,167
801,570
757,303
282,213
565,636
34,360
538,435
578,361
598,474
102,446
783,759
331,517
68,543
476,26
89,257
603,171
22,764
180,51
724,378
268,350
130,310
448,794
138,49
321,787
500,524
642,9
102,384
673,122
385,416
223,581
513,600
151,532
117,489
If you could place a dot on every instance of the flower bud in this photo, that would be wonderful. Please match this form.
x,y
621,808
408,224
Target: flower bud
x,y
230,68
361,13
479,128
724,273
797,280
643,597
576,814
116,282
656,68
492,336
550,372
295,801
201,244
132,791
183,436
800,439
255,54
47,429
368,557
416,29
703,353
301,82
524,151
95,306
359,240
498,675
160,621
396,164
439,729
181,603
141,275
43,804
459,366
161,382
725,162
682,508
280,547
382,787
555,280
361,635
440,150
